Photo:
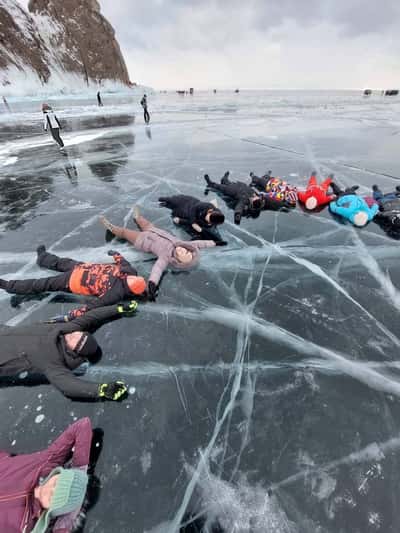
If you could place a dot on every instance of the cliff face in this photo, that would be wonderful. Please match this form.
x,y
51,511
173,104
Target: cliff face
x,y
58,38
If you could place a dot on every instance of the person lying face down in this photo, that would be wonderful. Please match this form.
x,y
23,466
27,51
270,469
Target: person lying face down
x,y
245,198
55,350
111,283
275,190
190,211
170,250
359,211
388,216
316,195
39,494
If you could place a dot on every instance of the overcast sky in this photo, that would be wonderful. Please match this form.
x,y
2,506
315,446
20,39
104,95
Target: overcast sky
x,y
319,44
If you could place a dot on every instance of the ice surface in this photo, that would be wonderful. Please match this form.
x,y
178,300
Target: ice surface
x,y
265,384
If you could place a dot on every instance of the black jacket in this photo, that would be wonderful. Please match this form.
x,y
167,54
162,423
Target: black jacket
x,y
188,209
40,348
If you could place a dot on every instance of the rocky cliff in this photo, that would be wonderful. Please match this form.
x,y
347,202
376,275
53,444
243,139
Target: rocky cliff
x,y
58,42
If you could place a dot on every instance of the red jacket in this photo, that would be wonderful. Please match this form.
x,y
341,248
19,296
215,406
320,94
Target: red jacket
x,y
19,475
319,192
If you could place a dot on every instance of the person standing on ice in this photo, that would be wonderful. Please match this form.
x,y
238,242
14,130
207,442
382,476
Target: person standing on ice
x,y
43,492
6,105
181,255
51,121
99,101
143,103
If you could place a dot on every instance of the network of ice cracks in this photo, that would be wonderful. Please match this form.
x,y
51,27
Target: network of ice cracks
x,y
240,507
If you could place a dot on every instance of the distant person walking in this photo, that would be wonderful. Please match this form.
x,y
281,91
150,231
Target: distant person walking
x,y
51,121
8,109
143,103
99,101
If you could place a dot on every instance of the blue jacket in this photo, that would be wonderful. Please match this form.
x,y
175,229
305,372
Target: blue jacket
x,y
348,206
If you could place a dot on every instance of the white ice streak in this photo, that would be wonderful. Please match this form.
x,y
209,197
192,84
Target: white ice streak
x,y
235,320
373,452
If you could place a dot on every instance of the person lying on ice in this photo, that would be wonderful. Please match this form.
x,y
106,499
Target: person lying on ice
x,y
382,198
39,492
111,283
275,189
56,349
359,211
190,211
388,216
245,199
170,250
316,195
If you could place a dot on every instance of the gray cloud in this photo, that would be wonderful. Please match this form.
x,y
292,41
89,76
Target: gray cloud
x,y
259,43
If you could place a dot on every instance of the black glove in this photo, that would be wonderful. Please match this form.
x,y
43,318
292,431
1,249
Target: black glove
x,y
207,178
152,291
112,252
220,243
127,308
238,217
112,391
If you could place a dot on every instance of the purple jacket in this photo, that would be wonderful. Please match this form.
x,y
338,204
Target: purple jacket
x,y
19,475
163,244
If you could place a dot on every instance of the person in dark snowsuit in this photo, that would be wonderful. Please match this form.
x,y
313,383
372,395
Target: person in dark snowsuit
x,y
188,211
388,216
99,101
244,199
56,350
111,283
51,121
48,486
276,192
143,103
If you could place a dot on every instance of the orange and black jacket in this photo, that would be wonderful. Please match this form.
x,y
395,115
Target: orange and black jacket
x,y
106,281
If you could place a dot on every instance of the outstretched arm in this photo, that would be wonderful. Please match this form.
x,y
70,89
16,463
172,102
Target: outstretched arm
x,y
127,268
157,271
93,319
69,384
203,244
75,441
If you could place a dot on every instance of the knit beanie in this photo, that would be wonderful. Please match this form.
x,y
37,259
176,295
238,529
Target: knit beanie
x,y
360,219
136,284
217,217
311,203
68,496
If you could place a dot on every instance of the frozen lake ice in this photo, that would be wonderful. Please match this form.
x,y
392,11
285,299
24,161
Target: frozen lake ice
x,y
267,381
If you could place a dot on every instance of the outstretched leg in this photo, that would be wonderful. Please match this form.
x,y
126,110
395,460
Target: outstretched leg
x,y
312,182
35,286
53,262
325,184
120,232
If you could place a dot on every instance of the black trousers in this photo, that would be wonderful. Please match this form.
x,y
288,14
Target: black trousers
x,y
56,136
51,284
146,116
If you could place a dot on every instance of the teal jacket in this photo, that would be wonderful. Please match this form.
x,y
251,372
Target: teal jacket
x,y
349,205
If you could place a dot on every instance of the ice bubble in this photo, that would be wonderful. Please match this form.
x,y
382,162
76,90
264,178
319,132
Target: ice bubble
x,y
132,390
23,375
39,419
39,408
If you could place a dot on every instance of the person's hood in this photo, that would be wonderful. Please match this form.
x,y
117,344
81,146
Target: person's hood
x,y
195,256
91,352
